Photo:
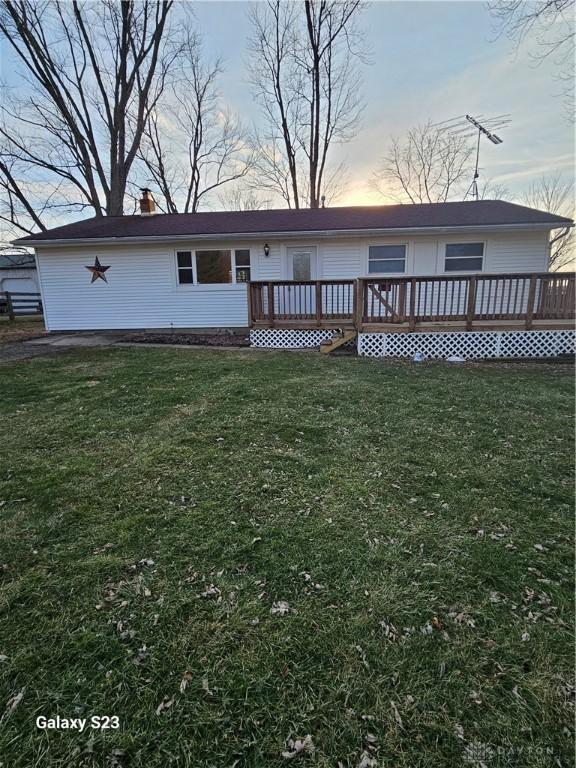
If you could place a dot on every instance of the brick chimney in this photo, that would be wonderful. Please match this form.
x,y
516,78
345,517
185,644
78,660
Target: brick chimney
x,y
147,204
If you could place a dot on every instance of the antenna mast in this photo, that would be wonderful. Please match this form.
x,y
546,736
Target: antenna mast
x,y
470,127
473,188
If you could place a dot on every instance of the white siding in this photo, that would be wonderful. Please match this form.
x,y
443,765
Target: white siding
x,y
425,257
522,252
340,259
266,267
141,292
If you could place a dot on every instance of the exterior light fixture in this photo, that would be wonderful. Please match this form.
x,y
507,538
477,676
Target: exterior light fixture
x,y
266,249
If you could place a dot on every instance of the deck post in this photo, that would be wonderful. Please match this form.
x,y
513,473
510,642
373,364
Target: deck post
x,y
250,308
402,302
530,302
471,302
318,303
412,318
359,304
9,305
271,304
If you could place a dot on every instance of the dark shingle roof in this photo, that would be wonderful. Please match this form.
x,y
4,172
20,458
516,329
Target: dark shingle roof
x,y
463,214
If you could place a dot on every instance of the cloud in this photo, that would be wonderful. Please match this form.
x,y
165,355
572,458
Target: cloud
x,y
497,81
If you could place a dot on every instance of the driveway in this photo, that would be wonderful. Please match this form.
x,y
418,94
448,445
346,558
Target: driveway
x,y
52,345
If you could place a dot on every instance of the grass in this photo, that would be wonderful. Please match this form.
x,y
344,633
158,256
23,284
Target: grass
x,y
417,521
19,329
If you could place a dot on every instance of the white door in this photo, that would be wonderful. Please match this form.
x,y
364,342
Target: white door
x,y
300,300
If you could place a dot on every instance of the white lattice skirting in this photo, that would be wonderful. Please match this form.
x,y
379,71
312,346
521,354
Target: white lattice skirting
x,y
472,345
288,338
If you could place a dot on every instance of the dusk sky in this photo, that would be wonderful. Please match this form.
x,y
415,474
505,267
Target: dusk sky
x,y
429,60
432,60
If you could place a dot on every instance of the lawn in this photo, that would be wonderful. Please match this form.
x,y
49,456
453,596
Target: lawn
x,y
229,549
19,329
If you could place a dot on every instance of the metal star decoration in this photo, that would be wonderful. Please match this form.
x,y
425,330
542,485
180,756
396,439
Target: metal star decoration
x,y
98,271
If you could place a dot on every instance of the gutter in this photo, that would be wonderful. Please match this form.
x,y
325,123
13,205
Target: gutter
x,y
323,233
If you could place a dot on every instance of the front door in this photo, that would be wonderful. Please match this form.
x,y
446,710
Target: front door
x,y
300,300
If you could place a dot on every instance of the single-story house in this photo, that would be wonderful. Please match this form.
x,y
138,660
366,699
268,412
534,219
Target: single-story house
x,y
190,271
18,272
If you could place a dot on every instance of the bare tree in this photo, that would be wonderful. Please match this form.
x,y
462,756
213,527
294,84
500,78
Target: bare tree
x,y
555,195
243,199
192,146
14,255
94,72
428,165
552,24
303,70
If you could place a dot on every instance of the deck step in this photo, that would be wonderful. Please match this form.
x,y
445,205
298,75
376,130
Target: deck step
x,y
338,340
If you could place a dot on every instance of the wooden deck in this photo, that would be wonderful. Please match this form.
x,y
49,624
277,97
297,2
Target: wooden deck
x,y
521,301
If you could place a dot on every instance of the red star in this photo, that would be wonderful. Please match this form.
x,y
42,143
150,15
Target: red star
x,y
98,271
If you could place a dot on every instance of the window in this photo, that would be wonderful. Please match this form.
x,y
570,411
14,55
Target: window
x,y
301,265
386,258
242,266
185,273
213,267
464,257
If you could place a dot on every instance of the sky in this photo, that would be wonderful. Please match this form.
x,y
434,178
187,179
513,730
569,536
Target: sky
x,y
429,60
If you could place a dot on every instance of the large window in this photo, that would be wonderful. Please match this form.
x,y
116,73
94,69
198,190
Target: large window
x,y
213,267
383,259
464,257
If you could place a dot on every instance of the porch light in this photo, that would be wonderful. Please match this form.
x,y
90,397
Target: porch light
x,y
266,249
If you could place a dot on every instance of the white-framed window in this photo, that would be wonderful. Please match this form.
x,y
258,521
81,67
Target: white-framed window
x,y
213,266
184,267
464,257
386,259
242,265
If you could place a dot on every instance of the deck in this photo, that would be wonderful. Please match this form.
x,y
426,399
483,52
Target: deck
x,y
521,301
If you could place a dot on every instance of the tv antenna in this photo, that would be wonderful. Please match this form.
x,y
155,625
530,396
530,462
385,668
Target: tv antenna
x,y
470,128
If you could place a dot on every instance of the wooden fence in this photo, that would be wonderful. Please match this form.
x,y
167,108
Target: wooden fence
x,y
16,304
415,301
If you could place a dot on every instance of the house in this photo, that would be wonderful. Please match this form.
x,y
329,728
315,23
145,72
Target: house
x,y
310,271
18,272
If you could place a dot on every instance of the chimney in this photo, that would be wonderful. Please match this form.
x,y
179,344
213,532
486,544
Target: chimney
x,y
147,204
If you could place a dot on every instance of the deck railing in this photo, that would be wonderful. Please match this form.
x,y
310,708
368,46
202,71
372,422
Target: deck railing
x,y
317,302
468,299
415,301
19,304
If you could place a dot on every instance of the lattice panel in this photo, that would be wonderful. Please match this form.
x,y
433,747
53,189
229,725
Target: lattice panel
x,y
473,345
288,338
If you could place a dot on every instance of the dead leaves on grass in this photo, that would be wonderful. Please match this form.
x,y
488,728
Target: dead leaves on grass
x,y
12,703
186,677
298,747
280,608
165,704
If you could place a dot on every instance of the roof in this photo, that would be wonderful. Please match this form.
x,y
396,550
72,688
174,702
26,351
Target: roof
x,y
481,213
17,261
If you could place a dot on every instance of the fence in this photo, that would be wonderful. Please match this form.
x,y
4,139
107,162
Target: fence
x,y
16,304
